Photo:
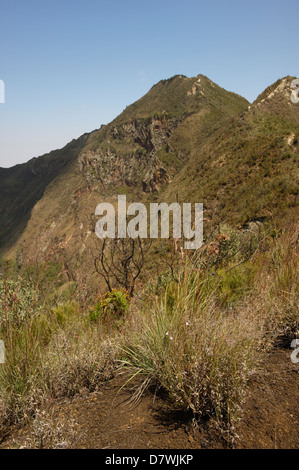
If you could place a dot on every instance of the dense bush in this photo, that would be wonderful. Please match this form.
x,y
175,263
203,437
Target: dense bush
x,y
110,307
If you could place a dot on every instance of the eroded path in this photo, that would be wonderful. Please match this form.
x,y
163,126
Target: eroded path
x,y
108,420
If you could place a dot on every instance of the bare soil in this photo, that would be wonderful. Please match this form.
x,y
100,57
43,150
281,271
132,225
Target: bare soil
x,y
108,419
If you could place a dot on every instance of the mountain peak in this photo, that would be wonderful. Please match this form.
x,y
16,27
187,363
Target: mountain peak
x,y
277,99
186,135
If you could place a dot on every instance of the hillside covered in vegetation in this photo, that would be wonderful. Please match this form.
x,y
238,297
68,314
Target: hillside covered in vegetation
x,y
193,326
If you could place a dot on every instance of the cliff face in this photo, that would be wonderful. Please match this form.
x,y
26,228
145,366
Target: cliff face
x,y
144,147
128,155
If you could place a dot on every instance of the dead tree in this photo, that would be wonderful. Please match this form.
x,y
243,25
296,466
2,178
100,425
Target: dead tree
x,y
120,261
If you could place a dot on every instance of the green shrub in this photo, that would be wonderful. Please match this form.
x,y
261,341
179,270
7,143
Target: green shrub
x,y
234,283
110,307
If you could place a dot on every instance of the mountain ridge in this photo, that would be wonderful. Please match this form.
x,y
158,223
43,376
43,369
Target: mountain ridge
x,y
186,139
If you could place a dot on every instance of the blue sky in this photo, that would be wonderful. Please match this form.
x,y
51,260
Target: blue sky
x,y
70,66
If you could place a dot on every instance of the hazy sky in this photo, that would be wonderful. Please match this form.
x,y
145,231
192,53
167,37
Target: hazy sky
x,y
71,65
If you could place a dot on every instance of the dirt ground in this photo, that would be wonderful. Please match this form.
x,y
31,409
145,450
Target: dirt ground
x,y
108,420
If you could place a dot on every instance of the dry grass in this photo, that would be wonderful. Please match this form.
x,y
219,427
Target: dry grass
x,y
202,350
78,359
48,432
199,334
52,356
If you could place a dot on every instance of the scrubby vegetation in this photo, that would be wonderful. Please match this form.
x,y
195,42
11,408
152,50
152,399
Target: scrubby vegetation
x,y
75,311
198,331
50,352
207,330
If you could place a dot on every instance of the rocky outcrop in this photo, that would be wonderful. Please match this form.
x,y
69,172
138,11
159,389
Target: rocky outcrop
x,y
150,134
128,155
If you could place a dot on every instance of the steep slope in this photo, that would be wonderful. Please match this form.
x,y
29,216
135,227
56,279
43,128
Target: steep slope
x,y
276,100
151,140
23,185
138,153
247,169
187,139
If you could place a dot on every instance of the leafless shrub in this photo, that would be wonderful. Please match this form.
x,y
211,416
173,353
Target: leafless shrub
x,y
121,261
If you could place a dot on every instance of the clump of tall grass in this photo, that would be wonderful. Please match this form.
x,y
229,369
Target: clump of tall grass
x,y
19,389
202,346
199,353
277,281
